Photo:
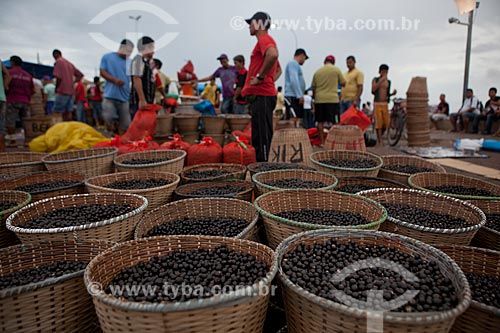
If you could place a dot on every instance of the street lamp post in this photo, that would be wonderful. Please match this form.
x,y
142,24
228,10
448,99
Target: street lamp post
x,y
467,48
136,19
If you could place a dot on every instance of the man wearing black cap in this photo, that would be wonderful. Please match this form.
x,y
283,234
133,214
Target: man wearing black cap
x,y
259,86
227,75
295,86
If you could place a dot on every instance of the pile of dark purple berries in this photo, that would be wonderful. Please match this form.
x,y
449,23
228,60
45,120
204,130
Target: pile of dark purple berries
x,y
207,226
187,275
46,186
139,161
362,163
315,268
40,273
280,166
424,217
324,217
355,188
461,190
289,183
217,191
5,205
137,184
485,289
408,169
202,174
75,216
493,221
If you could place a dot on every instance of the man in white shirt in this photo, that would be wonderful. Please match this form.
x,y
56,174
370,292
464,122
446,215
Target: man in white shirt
x,y
469,109
308,110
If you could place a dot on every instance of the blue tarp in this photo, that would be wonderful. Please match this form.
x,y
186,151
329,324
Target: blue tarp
x,y
37,70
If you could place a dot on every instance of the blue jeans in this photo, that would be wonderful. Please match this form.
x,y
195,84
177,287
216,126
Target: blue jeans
x,y
345,105
63,103
49,107
240,109
490,118
308,119
80,112
227,105
96,109
116,111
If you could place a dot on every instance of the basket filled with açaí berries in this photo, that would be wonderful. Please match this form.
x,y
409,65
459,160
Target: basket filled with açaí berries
x,y
154,160
236,189
10,201
345,163
488,236
213,172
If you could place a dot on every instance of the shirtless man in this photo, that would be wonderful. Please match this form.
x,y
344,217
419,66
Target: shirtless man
x,y
381,86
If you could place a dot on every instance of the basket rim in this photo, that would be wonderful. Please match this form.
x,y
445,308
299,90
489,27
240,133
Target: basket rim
x,y
144,190
18,206
392,317
430,195
251,166
215,301
92,225
249,186
137,166
221,166
384,180
459,196
249,227
319,226
110,151
378,158
14,291
41,173
437,166
6,165
491,309
275,188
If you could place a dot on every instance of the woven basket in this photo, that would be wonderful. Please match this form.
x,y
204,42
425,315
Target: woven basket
x,y
187,123
278,228
254,167
87,162
479,317
174,164
59,304
201,207
8,238
345,137
422,181
20,163
164,125
226,313
236,171
184,191
117,229
156,196
307,312
213,124
237,122
372,181
349,155
487,237
405,160
291,145
77,188
262,179
436,203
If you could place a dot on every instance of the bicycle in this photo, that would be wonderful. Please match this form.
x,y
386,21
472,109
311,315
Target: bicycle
x,y
397,121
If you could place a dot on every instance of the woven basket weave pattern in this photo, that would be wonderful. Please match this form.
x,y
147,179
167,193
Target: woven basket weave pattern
x,y
7,237
405,160
174,164
88,162
21,163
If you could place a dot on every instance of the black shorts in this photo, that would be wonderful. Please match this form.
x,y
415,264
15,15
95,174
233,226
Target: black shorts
x,y
295,105
327,112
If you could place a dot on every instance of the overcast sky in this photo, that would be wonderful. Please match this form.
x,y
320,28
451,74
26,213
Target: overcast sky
x,y
435,49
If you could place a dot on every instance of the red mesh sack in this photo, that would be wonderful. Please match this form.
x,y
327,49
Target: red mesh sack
x,y
239,152
207,151
143,125
175,144
137,146
314,136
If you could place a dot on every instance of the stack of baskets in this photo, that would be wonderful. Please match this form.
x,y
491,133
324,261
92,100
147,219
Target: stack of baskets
x,y
87,162
214,127
319,156
417,108
171,161
187,125
307,312
21,163
231,171
7,237
278,228
345,137
290,145
237,122
117,229
405,160
164,127
433,202
229,312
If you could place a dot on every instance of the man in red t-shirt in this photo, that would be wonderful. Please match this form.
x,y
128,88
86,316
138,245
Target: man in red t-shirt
x,y
80,99
65,74
95,93
259,88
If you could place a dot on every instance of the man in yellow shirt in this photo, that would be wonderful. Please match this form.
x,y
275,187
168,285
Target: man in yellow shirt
x,y
209,92
351,92
325,84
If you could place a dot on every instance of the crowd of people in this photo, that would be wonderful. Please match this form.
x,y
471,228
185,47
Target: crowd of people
x,y
131,86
